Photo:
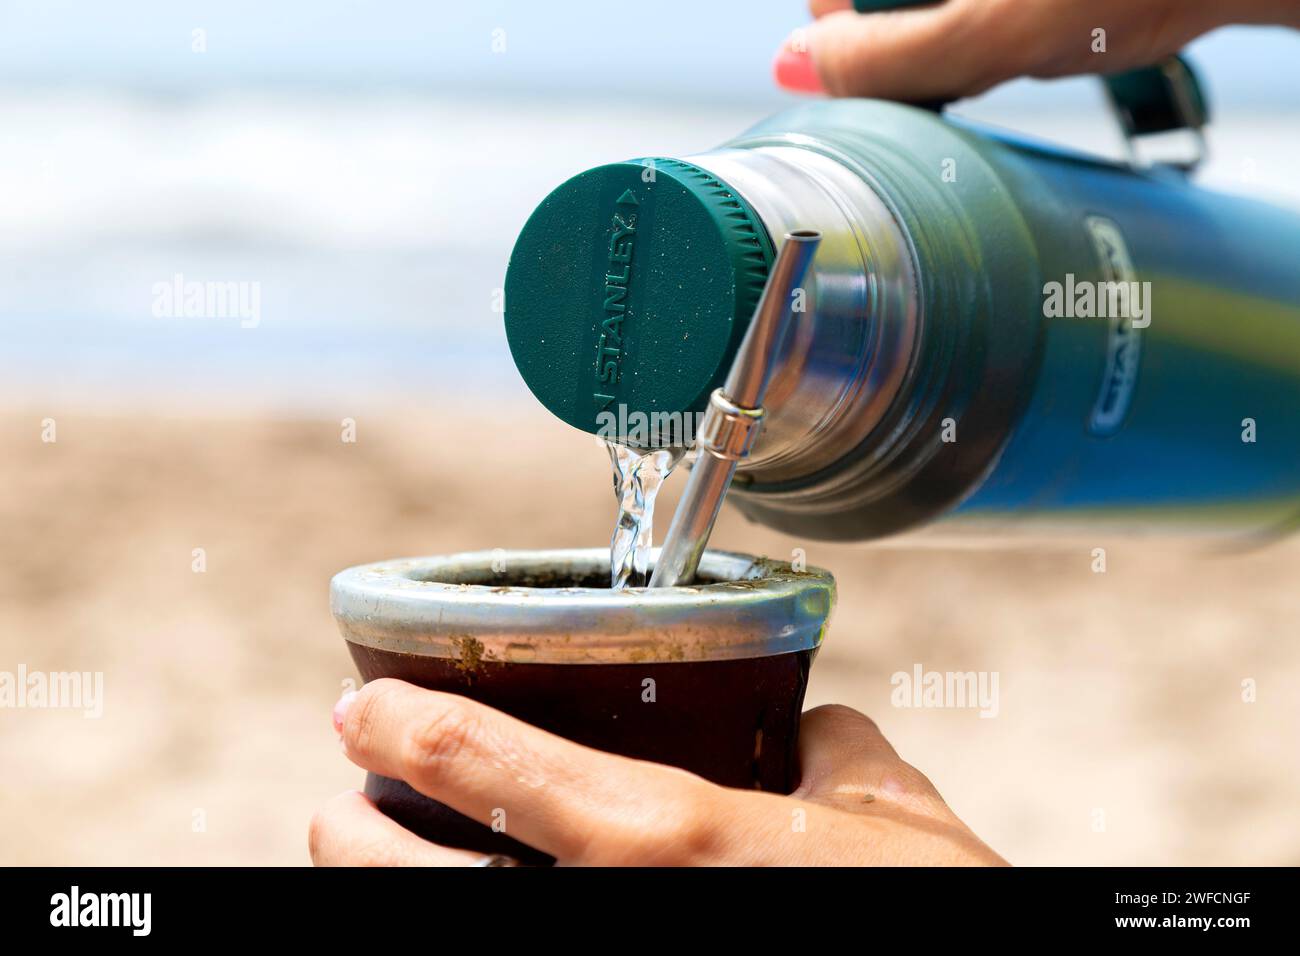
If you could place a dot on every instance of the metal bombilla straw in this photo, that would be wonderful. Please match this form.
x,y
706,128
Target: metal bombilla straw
x,y
734,416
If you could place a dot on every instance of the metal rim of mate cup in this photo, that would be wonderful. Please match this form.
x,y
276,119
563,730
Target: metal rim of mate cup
x,y
553,607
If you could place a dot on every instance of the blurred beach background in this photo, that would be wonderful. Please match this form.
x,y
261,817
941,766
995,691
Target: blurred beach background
x,y
367,167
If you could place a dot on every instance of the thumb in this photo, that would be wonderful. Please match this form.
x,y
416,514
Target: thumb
x,y
913,55
844,759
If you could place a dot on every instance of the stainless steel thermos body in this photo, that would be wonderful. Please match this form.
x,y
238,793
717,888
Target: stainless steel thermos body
x,y
964,357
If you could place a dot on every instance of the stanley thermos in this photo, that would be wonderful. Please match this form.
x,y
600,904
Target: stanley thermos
x,y
993,329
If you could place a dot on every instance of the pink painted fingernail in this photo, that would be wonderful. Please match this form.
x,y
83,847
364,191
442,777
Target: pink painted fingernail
x,y
341,710
793,67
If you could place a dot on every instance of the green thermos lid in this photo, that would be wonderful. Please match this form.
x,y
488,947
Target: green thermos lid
x,y
632,285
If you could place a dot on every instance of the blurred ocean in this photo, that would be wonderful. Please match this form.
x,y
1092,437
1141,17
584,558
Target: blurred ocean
x,y
376,225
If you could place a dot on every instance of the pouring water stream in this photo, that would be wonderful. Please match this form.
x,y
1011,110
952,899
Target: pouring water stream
x,y
638,476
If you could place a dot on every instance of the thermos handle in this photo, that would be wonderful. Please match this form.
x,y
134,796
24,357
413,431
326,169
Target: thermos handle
x,y
1161,98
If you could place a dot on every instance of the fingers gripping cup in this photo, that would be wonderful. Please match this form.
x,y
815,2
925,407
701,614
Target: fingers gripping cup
x,y
709,678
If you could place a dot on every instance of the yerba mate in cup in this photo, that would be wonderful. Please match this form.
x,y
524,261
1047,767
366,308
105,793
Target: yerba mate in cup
x,y
709,678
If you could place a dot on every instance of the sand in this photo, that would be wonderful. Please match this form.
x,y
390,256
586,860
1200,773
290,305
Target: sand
x,y
1121,734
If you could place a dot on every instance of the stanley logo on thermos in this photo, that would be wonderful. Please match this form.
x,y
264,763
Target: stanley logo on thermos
x,y
1123,342
610,343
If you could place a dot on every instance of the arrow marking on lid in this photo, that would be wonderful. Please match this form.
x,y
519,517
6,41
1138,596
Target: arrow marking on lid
x,y
627,199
